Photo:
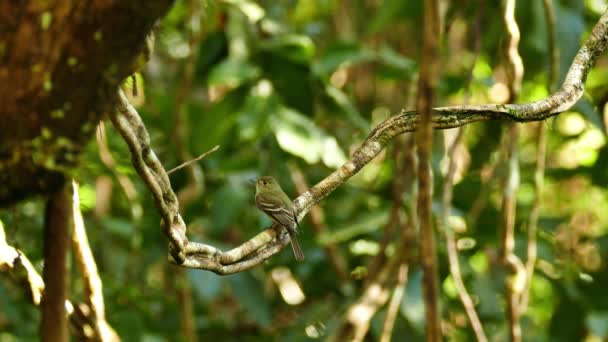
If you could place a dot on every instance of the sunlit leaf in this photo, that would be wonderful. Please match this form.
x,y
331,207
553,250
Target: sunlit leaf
x,y
233,73
297,48
299,136
341,55
365,224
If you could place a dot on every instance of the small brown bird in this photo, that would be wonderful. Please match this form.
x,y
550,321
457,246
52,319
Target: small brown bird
x,y
270,198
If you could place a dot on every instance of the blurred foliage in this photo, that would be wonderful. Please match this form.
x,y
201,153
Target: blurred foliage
x,y
303,83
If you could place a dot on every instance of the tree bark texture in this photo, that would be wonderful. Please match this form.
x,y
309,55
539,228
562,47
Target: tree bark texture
x,y
57,227
57,61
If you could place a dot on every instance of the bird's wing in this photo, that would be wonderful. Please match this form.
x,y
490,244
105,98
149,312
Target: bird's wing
x,y
277,211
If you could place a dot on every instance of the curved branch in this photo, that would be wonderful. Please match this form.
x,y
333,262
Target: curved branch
x,y
264,245
149,168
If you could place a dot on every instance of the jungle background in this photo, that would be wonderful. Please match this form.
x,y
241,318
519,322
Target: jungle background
x,y
289,89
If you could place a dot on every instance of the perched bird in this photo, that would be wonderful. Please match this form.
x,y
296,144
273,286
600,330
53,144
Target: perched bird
x,y
270,198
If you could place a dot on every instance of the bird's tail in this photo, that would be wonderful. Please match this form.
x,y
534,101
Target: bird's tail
x,y
297,251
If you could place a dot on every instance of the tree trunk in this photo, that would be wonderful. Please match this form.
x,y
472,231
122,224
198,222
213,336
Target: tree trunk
x,y
60,63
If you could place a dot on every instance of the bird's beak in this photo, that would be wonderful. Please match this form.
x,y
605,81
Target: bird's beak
x,y
252,181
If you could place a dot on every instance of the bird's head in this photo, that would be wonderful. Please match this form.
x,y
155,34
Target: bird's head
x,y
266,183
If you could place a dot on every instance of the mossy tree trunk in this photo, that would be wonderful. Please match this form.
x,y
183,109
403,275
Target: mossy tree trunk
x,y
58,62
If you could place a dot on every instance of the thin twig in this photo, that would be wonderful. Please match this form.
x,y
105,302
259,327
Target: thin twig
x,y
93,288
453,259
202,156
541,151
395,303
515,71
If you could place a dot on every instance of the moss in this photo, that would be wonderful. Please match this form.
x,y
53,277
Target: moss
x,y
45,20
48,84
46,133
86,128
72,61
57,114
37,67
98,36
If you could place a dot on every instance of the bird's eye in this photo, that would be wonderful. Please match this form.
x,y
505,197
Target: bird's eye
x,y
264,182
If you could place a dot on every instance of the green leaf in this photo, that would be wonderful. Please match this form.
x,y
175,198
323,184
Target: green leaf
x,y
252,10
298,135
340,55
412,304
585,107
364,224
294,47
118,226
213,124
291,80
342,100
598,323
233,73
569,30
228,204
396,65
207,285
392,11
250,293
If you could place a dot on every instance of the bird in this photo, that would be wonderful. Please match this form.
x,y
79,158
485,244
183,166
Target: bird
x,y
272,200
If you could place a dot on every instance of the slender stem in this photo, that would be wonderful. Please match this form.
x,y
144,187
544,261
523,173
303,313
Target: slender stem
x,y
450,237
515,71
93,288
395,303
541,151
427,82
202,156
